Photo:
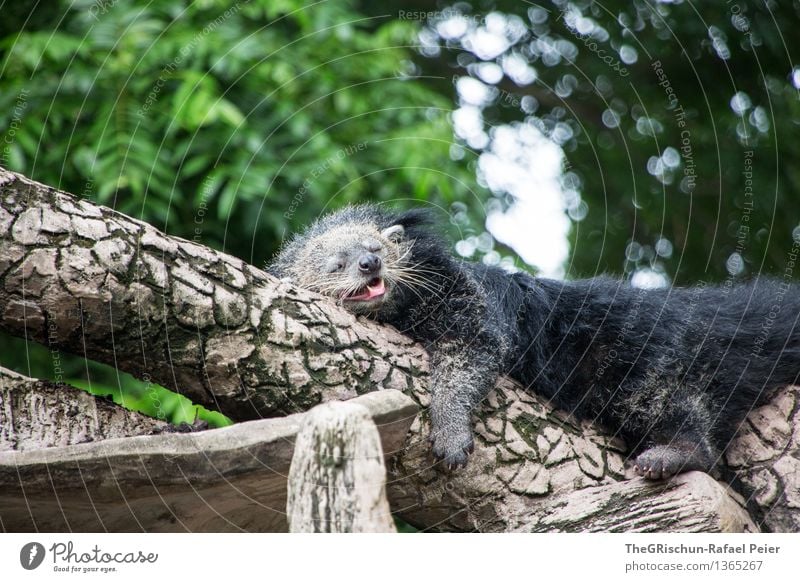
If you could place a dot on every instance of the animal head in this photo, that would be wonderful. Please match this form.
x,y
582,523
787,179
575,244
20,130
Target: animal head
x,y
360,256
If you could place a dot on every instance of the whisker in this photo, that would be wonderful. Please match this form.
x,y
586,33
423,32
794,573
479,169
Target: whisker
x,y
411,281
409,287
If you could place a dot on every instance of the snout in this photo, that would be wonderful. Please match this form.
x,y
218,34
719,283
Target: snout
x,y
369,264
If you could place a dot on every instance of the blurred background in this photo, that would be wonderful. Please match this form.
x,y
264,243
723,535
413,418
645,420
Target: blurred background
x,y
655,141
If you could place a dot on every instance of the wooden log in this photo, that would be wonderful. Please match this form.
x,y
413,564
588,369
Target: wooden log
x,y
337,478
227,479
692,502
765,458
36,414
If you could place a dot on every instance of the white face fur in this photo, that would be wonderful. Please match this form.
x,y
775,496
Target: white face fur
x,y
334,262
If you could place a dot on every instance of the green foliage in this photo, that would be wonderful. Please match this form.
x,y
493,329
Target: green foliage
x,y
154,401
599,93
206,119
150,399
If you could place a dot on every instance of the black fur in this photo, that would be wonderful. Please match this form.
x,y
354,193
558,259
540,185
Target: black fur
x,y
673,371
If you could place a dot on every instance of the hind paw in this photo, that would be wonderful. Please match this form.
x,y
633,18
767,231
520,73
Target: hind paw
x,y
661,462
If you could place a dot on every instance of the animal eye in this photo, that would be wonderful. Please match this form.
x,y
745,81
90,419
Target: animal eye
x,y
371,245
334,264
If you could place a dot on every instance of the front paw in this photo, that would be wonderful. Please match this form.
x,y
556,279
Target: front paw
x,y
452,446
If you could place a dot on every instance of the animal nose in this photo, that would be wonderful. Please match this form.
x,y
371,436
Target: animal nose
x,y
369,264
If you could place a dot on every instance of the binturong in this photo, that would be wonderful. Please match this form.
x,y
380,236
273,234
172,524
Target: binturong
x,y
672,371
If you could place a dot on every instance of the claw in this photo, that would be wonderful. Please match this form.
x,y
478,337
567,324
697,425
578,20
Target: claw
x,y
451,449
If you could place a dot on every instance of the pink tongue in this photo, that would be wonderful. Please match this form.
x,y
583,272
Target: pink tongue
x,y
371,292
376,291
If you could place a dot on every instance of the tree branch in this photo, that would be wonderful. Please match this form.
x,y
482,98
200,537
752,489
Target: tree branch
x,y
94,282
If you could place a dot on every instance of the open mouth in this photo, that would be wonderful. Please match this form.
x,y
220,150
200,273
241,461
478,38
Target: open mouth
x,y
372,290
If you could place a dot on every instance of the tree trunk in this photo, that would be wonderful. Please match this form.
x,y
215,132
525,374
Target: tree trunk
x,y
92,281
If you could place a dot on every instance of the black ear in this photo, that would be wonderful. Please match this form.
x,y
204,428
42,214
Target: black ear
x,y
412,219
